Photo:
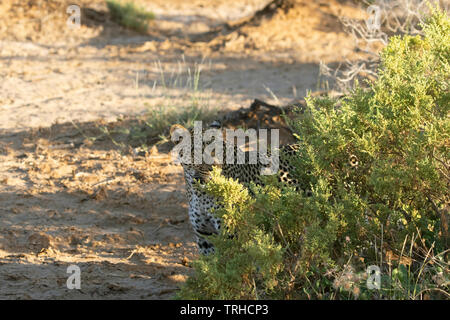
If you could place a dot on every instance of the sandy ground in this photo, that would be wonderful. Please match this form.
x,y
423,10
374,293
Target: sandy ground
x,y
119,216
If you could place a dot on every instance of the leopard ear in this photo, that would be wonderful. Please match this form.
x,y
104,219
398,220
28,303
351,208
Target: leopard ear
x,y
176,127
216,124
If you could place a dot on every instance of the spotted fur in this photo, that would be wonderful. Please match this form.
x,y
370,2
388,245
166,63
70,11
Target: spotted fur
x,y
202,204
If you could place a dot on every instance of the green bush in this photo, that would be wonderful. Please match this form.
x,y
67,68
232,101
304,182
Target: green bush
x,y
377,162
129,15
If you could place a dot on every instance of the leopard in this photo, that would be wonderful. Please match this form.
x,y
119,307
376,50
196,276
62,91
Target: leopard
x,y
203,205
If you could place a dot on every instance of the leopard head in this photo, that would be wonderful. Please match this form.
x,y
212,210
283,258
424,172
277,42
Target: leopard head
x,y
184,151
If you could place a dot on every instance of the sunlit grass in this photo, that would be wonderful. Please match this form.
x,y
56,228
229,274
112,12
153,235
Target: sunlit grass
x,y
195,106
153,126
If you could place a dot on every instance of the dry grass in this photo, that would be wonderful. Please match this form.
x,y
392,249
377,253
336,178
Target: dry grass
x,y
396,17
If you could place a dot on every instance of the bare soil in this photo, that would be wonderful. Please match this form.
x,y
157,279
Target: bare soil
x,y
121,216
